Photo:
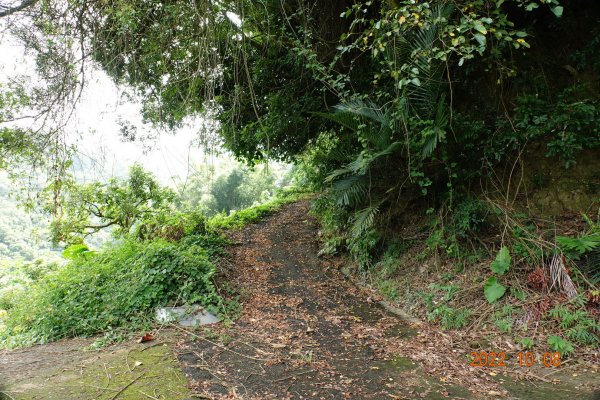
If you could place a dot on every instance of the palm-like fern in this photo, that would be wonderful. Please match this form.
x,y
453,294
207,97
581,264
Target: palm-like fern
x,y
386,131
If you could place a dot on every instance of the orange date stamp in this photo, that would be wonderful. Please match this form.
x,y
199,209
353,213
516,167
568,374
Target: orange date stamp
x,y
525,359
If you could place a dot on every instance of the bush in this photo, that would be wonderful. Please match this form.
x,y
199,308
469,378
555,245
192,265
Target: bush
x,y
238,219
117,287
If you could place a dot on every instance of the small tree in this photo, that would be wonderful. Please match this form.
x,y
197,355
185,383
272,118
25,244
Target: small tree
x,y
89,208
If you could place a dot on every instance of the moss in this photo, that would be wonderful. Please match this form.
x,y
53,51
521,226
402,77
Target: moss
x,y
136,371
552,190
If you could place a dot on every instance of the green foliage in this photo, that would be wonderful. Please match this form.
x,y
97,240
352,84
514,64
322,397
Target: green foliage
x,y
15,276
527,343
518,293
322,155
118,287
502,262
450,318
468,218
577,325
390,263
230,188
567,125
388,288
575,247
75,251
439,309
504,318
334,221
564,347
89,208
246,216
504,324
448,290
22,235
492,290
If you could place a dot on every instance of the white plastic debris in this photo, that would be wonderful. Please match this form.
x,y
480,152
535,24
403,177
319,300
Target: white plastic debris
x,y
186,316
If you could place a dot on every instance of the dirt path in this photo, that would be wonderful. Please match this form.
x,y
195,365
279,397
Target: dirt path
x,y
305,332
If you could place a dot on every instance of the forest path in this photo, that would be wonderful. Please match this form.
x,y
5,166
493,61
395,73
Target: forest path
x,y
305,330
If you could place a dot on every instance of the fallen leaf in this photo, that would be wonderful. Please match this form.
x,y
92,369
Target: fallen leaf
x,y
146,338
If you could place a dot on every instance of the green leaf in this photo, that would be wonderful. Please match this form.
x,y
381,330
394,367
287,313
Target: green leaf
x,y
518,293
75,251
480,38
581,245
558,11
564,347
479,27
493,290
502,262
531,6
527,343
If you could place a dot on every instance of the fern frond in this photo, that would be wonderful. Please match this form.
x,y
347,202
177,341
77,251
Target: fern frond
x,y
365,109
338,173
343,118
350,191
436,133
364,219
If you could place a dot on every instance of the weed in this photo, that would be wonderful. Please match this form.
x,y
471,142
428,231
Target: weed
x,y
560,345
448,290
388,288
577,325
503,318
504,324
527,343
518,293
111,336
450,318
306,356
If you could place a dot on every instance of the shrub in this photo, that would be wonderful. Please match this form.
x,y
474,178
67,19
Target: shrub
x,y
117,287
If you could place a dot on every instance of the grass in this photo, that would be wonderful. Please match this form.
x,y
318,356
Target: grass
x,y
241,218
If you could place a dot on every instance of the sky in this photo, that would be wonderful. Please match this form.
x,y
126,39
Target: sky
x,y
95,129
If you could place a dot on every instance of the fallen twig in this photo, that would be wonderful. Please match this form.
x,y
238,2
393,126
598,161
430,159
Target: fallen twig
x,y
147,395
7,395
293,376
219,345
106,372
126,386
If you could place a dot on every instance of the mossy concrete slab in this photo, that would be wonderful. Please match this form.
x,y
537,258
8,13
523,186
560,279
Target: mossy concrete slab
x,y
66,370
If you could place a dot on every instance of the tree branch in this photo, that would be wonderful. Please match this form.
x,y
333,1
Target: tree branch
x,y
6,11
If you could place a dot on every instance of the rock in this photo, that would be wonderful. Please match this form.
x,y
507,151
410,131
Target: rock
x,y
186,316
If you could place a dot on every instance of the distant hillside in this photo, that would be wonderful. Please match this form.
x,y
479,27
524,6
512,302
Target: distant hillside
x,y
22,235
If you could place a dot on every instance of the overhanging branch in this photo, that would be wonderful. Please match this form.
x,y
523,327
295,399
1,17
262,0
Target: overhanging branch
x,y
8,10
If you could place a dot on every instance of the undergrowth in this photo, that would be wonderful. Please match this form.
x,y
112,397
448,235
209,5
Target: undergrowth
x,y
117,287
241,218
167,260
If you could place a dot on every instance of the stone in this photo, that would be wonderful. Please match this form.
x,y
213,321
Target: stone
x,y
190,316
